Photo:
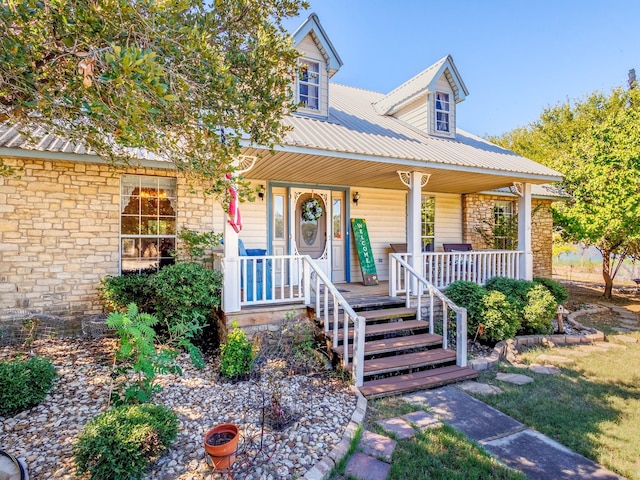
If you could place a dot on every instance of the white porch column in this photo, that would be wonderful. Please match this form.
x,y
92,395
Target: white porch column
x,y
415,181
230,270
524,230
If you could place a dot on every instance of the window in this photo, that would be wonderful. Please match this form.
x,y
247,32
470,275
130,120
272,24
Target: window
x,y
147,223
278,217
428,216
337,218
442,112
505,228
309,85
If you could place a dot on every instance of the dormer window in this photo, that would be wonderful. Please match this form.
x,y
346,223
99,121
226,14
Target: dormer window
x,y
309,85
442,112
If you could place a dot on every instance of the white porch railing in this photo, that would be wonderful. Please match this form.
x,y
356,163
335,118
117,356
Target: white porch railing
x,y
399,268
441,269
273,279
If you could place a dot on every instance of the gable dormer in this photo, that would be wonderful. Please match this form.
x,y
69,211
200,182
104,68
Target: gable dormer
x,y
428,100
318,61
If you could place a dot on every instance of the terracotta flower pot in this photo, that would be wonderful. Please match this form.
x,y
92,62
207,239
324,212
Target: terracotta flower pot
x,y
221,444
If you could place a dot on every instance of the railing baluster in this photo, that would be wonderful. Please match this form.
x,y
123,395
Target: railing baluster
x,y
445,334
431,327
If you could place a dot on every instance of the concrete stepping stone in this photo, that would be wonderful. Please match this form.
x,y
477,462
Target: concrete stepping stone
x,y
422,420
377,446
398,427
544,369
515,378
544,358
479,388
541,458
364,467
624,339
594,348
473,417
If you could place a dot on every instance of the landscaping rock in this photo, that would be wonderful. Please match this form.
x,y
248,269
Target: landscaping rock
x,y
479,388
544,369
515,378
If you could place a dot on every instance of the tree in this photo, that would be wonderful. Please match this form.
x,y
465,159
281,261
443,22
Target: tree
x,y
595,144
180,80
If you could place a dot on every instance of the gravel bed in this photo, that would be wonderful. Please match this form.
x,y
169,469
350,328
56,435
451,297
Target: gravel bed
x,y
44,435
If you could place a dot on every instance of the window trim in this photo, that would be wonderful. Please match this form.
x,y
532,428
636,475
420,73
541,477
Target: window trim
x,y
317,85
439,109
158,236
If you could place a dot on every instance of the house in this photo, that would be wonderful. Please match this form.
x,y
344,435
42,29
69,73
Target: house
x,y
398,160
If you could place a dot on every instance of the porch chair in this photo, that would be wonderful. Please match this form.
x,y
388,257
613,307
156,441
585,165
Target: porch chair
x,y
459,247
261,271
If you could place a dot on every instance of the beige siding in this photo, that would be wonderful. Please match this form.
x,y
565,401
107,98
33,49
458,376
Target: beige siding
x,y
448,227
385,214
309,50
415,113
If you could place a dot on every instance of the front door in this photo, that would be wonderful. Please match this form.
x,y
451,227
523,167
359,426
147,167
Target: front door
x,y
311,212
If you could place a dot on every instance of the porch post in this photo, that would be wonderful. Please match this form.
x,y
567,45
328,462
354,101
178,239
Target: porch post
x,y
231,270
414,222
524,231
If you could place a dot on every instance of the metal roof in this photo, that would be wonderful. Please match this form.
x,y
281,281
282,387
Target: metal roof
x,y
355,127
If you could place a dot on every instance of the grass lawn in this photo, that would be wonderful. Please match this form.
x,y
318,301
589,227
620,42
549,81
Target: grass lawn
x,y
592,407
438,453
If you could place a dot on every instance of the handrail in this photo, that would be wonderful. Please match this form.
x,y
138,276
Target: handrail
x,y
349,316
417,284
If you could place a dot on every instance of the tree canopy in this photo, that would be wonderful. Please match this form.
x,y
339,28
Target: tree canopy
x,y
179,80
595,144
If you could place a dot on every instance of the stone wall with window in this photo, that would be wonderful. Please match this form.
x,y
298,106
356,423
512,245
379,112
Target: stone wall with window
x,y
480,208
60,232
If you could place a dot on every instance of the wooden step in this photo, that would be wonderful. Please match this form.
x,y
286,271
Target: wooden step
x,y
407,342
397,363
388,314
412,382
386,328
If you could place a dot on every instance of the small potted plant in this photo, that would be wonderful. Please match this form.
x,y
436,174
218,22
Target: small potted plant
x,y
221,444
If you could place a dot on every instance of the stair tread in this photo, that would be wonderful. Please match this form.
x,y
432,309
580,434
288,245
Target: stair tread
x,y
410,360
391,327
398,343
416,381
388,313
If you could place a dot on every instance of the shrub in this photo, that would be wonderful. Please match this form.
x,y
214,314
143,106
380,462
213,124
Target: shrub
x,y
185,288
533,303
236,355
558,290
121,442
24,383
499,320
118,292
468,295
540,308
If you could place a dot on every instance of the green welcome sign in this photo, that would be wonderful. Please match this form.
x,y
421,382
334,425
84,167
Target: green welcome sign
x,y
367,261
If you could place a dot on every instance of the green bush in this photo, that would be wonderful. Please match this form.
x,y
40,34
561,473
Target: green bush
x,y
185,288
120,443
499,319
470,296
558,290
539,310
118,292
533,303
236,355
24,383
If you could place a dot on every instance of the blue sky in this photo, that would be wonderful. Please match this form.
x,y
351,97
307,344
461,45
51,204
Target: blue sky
x,y
516,57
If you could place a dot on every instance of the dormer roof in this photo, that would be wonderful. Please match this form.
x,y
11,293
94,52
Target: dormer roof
x,y
423,83
311,26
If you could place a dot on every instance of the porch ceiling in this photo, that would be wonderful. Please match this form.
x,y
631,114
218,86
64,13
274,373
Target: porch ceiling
x,y
305,168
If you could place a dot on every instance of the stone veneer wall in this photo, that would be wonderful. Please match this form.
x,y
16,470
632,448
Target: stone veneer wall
x,y
477,208
59,232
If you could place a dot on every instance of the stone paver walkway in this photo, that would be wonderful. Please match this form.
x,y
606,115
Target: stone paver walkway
x,y
511,442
